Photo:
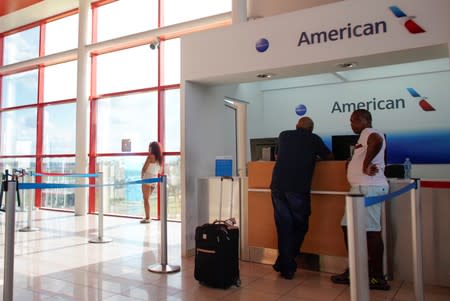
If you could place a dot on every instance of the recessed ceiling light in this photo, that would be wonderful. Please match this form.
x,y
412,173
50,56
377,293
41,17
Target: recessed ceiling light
x,y
265,75
348,65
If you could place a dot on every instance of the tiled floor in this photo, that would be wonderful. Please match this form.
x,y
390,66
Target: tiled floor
x,y
58,263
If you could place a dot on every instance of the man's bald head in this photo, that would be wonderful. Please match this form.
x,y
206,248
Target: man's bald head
x,y
305,123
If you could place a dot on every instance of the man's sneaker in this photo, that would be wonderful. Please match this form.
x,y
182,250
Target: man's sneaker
x,y
341,278
145,221
378,284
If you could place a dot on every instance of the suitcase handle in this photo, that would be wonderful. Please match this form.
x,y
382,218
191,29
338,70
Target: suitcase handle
x,y
229,222
231,199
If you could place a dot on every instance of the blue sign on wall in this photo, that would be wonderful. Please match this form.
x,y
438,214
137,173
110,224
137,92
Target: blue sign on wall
x,y
224,167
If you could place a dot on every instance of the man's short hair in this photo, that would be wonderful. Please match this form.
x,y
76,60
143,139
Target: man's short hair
x,y
305,123
364,114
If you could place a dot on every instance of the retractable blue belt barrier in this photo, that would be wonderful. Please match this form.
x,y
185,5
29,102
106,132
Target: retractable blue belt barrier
x,y
55,185
372,200
72,175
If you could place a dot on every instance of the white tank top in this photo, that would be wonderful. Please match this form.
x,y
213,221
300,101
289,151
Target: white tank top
x,y
151,171
355,175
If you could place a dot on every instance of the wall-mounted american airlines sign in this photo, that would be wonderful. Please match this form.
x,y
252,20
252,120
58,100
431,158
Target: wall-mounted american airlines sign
x,y
393,103
350,30
342,33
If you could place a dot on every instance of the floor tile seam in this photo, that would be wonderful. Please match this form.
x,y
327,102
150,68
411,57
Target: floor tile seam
x,y
402,283
50,250
341,293
293,288
397,289
33,290
110,291
246,288
230,292
102,277
175,290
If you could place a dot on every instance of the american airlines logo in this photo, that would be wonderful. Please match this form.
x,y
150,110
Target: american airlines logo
x,y
406,20
423,103
383,104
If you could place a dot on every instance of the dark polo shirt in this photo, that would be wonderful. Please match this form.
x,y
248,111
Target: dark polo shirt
x,y
298,151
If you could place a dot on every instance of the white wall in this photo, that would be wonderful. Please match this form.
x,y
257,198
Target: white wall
x,y
204,137
265,8
228,55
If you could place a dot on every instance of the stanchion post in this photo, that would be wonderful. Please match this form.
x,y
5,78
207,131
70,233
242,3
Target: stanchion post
x,y
28,227
163,267
21,193
10,216
357,247
385,240
100,238
416,230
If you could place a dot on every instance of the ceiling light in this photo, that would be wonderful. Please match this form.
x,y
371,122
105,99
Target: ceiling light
x,y
265,75
348,65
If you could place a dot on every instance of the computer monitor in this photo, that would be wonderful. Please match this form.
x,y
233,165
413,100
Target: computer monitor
x,y
263,149
342,146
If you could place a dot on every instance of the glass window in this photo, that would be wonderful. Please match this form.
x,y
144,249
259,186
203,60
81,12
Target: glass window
x,y
60,81
129,69
132,118
172,120
21,46
125,17
18,132
61,34
59,129
124,199
28,164
171,63
193,9
19,89
172,168
61,198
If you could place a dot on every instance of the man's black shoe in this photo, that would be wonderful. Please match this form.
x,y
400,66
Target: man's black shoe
x,y
287,275
276,267
343,278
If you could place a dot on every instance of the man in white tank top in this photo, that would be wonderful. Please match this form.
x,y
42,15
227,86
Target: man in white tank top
x,y
365,173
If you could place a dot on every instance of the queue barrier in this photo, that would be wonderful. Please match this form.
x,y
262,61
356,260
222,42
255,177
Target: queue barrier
x,y
357,240
12,186
70,175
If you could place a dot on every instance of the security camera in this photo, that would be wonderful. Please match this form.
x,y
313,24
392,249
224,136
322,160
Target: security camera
x,y
154,44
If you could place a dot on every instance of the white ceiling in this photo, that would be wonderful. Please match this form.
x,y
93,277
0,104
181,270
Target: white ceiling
x,y
36,12
382,66
358,74
48,8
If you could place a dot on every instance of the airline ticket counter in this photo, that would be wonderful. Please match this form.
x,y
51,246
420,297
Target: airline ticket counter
x,y
324,247
324,236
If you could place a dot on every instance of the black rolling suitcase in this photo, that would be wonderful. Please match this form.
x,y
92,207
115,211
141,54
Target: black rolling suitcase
x,y
217,250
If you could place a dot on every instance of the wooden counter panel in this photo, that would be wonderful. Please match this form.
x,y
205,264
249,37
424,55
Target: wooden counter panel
x,y
260,174
330,176
261,226
325,235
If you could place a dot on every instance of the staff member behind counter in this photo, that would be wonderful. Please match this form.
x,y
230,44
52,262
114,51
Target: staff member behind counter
x,y
298,151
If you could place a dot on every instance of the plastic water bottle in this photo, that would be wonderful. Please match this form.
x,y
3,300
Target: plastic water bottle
x,y
407,168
